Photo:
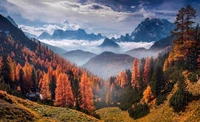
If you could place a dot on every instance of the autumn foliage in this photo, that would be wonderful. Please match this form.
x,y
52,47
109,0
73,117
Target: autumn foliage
x,y
135,73
147,94
86,93
146,71
37,69
63,96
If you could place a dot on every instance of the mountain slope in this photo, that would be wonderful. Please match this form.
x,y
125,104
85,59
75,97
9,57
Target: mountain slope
x,y
159,113
149,30
17,109
18,34
27,65
78,57
160,47
161,44
140,53
12,21
109,64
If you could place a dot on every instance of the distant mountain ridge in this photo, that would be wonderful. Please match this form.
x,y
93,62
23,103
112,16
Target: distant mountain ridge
x,y
149,30
44,35
109,43
160,47
109,64
78,57
79,34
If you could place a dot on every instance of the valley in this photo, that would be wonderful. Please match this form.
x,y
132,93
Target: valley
x,y
109,61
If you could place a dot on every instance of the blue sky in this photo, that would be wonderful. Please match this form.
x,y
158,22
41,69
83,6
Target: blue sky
x,y
109,17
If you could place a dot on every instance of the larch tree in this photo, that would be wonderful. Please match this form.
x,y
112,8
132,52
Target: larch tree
x,y
68,94
87,96
18,68
11,65
44,87
183,43
27,78
123,79
147,94
146,71
63,93
135,73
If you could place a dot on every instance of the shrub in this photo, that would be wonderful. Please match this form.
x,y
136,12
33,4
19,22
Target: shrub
x,y
138,111
180,99
160,99
129,97
96,115
193,77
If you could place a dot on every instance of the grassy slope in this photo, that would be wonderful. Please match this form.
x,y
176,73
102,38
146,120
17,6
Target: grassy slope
x,y
162,113
16,109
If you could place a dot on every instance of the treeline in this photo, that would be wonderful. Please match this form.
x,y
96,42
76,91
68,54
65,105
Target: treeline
x,y
25,70
143,83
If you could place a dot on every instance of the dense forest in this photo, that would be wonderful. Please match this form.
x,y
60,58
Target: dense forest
x,y
29,68
152,79
32,69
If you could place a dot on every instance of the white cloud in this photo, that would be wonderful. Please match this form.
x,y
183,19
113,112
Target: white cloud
x,y
92,17
92,45
145,13
50,28
132,6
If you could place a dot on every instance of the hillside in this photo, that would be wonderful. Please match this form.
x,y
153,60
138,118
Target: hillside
x,y
109,64
140,53
160,47
29,67
78,57
157,113
17,109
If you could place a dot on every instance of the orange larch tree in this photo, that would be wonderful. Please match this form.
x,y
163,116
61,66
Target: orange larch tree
x,y
135,73
18,68
123,79
86,94
147,94
146,71
44,87
63,92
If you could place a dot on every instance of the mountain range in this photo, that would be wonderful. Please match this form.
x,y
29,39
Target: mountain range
x,y
79,34
149,30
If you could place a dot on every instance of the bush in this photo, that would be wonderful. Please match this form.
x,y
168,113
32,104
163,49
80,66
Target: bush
x,y
138,111
129,97
193,77
160,99
180,99
96,115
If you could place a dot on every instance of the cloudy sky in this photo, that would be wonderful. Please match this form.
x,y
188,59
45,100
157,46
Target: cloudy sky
x,y
109,17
